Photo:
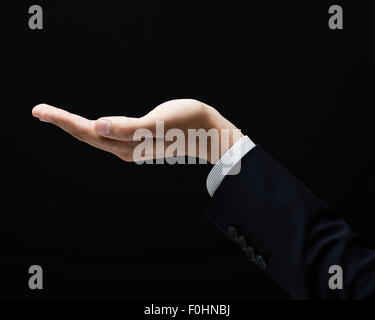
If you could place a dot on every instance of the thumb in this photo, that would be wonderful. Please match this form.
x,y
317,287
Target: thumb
x,y
123,128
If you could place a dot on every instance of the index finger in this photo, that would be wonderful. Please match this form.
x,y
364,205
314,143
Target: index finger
x,y
67,121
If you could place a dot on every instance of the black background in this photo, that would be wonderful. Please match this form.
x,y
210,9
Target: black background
x,y
103,228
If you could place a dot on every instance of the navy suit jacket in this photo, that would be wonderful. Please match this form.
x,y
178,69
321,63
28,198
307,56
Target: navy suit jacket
x,y
289,233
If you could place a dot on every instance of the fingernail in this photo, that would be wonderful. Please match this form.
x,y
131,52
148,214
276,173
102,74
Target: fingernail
x,y
102,127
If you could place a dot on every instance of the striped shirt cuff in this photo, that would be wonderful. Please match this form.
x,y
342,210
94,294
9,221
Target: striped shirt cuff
x,y
229,164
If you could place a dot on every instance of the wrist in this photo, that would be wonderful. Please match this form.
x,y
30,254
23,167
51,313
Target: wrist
x,y
228,134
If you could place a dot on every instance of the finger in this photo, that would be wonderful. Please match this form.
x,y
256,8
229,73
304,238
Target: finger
x,y
80,128
65,120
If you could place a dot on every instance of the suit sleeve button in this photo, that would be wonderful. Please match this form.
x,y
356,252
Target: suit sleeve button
x,y
232,232
250,253
241,241
259,261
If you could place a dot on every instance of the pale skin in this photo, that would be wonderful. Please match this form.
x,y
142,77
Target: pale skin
x,y
114,134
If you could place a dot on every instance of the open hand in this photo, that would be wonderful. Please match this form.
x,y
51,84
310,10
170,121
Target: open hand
x,y
115,133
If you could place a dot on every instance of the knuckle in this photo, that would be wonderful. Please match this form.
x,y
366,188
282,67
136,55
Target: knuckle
x,y
126,130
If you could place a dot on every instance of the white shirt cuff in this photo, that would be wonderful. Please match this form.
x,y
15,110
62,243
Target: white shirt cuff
x,y
227,162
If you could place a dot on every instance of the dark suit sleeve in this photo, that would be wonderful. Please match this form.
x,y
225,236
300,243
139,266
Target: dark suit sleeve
x,y
289,233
